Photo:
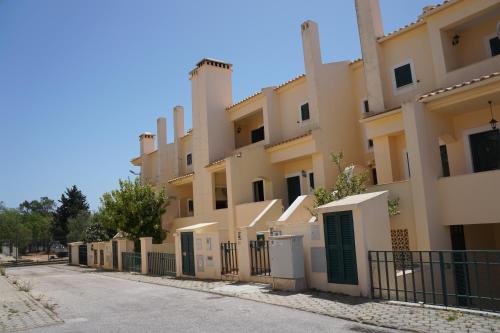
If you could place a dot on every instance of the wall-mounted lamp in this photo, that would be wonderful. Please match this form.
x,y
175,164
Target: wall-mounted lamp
x,y
303,173
455,40
493,121
238,130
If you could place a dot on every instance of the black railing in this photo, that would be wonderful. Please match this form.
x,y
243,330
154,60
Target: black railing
x,y
131,262
259,257
450,278
229,258
161,263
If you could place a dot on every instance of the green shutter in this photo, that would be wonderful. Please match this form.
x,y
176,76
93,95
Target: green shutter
x,y
340,248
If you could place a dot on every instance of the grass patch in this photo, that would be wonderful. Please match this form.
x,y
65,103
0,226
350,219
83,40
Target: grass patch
x,y
25,286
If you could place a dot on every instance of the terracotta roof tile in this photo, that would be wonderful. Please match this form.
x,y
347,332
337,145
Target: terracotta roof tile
x,y
289,81
215,163
289,140
456,86
244,100
181,177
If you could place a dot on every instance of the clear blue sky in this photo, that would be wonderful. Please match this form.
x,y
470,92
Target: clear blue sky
x,y
80,80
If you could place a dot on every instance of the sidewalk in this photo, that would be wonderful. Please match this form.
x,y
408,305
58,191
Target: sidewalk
x,y
383,314
19,311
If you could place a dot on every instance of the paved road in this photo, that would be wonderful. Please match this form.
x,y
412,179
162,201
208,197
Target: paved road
x,y
98,303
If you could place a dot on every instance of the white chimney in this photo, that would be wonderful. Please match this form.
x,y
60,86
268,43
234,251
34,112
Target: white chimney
x,y
178,122
147,142
162,160
370,29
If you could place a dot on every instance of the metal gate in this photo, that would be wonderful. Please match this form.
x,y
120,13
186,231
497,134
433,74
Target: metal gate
x,y
161,263
259,257
450,278
115,255
229,258
131,262
82,254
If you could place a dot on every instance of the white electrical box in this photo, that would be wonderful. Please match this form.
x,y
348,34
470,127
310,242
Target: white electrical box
x,y
287,256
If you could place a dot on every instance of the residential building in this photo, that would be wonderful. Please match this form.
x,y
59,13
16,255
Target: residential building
x,y
415,111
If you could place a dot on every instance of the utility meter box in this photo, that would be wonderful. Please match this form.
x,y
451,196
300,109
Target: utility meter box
x,y
287,256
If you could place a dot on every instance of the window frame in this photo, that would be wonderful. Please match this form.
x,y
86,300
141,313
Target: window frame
x,y
363,106
263,133
310,189
408,87
308,112
487,45
189,163
188,210
263,189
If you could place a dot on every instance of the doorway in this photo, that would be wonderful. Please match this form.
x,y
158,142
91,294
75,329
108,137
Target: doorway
x,y
187,251
293,188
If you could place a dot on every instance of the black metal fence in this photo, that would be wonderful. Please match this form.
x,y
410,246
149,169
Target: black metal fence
x,y
452,278
229,258
259,257
161,263
131,262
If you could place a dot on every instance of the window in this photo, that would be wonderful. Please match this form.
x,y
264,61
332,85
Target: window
x,y
95,257
311,180
189,159
190,206
444,161
494,46
257,134
258,190
403,75
374,176
304,112
366,107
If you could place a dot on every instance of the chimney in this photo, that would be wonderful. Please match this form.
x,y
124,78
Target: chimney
x,y
312,65
370,29
310,46
213,132
178,122
147,142
162,160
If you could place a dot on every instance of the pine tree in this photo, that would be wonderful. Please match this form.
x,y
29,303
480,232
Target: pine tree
x,y
73,203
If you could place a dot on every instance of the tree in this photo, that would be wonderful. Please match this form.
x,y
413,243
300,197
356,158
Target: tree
x,y
135,209
97,230
347,183
73,202
77,226
44,206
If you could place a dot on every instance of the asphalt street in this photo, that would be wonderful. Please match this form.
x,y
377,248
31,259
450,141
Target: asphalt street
x,y
90,302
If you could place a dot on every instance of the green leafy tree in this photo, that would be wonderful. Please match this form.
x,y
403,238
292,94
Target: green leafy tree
x,y
44,206
135,209
98,230
77,226
73,203
13,228
347,183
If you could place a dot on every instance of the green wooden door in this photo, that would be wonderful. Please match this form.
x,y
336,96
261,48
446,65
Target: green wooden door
x,y
340,248
187,249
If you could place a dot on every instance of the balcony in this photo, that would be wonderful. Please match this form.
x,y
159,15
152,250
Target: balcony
x,y
470,198
249,129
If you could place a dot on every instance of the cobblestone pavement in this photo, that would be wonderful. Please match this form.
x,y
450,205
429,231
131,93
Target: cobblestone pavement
x,y
19,311
383,314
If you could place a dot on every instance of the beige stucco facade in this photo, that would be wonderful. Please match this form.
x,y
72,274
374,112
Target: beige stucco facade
x,y
244,163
